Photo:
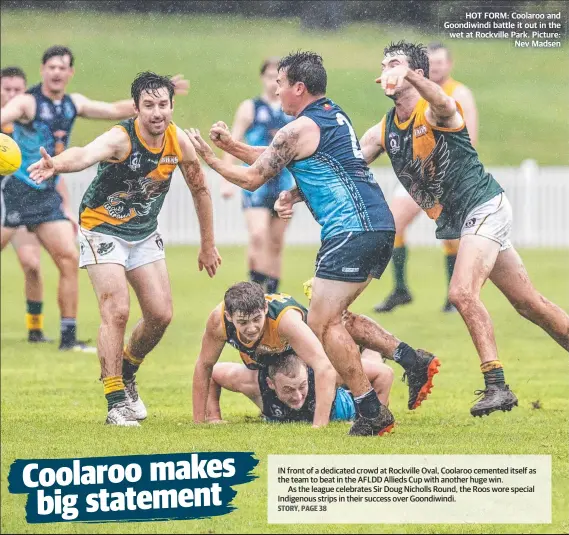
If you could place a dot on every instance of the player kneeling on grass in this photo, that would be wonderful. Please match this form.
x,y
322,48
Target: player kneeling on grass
x,y
263,328
284,390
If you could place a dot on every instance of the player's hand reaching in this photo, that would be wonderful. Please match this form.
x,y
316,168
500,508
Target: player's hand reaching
x,y
283,205
209,259
181,85
220,134
392,79
202,148
43,169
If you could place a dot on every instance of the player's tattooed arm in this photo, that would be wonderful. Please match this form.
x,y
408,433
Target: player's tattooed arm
x,y
194,176
213,341
372,142
271,162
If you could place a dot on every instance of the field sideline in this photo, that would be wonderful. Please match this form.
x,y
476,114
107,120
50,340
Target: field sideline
x,y
520,93
53,405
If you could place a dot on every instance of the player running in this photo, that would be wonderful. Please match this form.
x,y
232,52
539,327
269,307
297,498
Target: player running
x,y
429,147
119,240
404,208
321,150
284,390
44,116
256,122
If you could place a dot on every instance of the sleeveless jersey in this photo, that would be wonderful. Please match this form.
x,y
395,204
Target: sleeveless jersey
x,y
267,121
50,129
275,410
450,85
335,181
270,345
126,196
439,168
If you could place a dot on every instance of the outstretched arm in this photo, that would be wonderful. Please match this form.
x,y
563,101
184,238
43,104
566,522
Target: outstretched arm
x,y
269,164
212,345
19,108
307,346
231,144
195,179
113,144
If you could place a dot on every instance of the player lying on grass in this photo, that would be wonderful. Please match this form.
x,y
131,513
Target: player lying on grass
x,y
284,390
262,326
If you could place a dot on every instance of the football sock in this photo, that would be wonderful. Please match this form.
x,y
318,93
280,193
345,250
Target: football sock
x,y
399,259
68,331
272,285
130,364
493,373
34,316
259,278
114,390
368,405
405,355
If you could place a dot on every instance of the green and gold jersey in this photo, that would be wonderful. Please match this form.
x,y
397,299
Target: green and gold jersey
x,y
126,196
439,168
270,344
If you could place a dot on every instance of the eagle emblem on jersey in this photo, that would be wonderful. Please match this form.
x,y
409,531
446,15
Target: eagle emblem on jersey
x,y
426,178
139,197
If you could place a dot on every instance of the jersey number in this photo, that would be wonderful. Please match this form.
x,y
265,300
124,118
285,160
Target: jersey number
x,y
343,120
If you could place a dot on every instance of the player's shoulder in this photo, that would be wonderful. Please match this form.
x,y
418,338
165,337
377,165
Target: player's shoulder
x,y
216,322
280,303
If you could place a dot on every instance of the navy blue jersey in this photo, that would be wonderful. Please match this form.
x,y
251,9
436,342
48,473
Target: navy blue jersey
x,y
335,182
267,121
50,129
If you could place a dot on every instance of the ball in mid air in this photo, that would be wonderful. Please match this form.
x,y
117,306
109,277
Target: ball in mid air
x,y
10,155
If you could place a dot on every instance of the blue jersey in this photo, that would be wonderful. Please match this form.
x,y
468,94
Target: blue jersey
x,y
267,121
335,182
50,129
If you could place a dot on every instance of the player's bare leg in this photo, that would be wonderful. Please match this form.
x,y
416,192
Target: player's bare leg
x,y
258,222
510,276
58,238
274,250
475,261
329,299
111,288
28,250
6,234
404,210
450,248
379,374
152,287
420,366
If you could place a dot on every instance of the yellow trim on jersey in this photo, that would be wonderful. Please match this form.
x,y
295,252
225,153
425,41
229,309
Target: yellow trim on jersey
x,y
450,86
143,143
112,160
382,135
223,319
93,217
279,317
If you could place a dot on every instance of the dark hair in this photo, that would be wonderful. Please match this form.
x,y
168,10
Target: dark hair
x,y
305,67
269,62
416,55
150,82
13,72
437,45
244,297
57,50
287,365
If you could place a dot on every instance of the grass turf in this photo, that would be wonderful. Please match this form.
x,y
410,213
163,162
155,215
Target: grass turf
x,y
520,92
53,404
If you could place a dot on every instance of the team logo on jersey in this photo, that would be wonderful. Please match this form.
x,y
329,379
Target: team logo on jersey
x,y
159,242
394,143
263,115
105,248
139,197
59,136
45,112
327,106
169,160
470,223
420,131
426,178
134,161
276,410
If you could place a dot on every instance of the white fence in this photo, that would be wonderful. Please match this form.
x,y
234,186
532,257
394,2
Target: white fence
x,y
539,196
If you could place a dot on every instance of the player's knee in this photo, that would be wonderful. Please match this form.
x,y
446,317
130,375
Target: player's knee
x,y
530,307
67,261
114,311
161,318
256,240
461,296
32,269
